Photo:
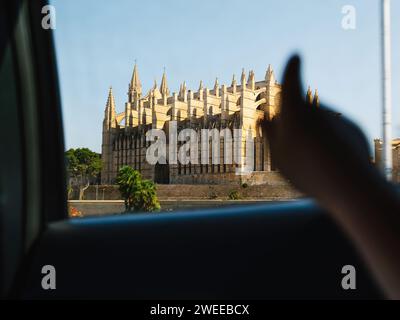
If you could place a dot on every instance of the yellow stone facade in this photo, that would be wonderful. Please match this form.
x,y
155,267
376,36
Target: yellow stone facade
x,y
238,106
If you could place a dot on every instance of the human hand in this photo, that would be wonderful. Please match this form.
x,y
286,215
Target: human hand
x,y
319,151
326,156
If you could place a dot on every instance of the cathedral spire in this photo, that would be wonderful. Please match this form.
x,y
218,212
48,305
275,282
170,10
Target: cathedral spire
x,y
110,105
269,75
309,97
135,85
164,86
110,114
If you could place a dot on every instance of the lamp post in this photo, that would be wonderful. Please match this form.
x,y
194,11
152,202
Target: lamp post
x,y
386,90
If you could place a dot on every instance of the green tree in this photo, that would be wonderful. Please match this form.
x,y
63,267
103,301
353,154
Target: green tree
x,y
139,194
83,168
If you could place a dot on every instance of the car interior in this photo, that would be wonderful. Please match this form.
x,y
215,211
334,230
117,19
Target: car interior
x,y
290,250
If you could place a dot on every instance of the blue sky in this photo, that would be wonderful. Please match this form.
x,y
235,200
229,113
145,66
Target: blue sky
x,y
97,42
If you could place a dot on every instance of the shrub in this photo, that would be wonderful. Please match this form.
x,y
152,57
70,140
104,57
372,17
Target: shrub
x,y
138,194
234,195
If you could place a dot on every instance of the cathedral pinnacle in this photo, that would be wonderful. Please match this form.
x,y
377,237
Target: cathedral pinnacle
x,y
251,81
110,114
164,86
309,97
216,84
269,75
233,81
243,78
135,84
316,99
216,87
110,100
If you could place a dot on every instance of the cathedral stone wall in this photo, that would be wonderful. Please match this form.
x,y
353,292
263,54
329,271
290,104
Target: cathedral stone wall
x,y
239,106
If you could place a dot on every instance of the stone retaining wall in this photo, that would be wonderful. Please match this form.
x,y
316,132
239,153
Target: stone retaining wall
x,y
187,191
